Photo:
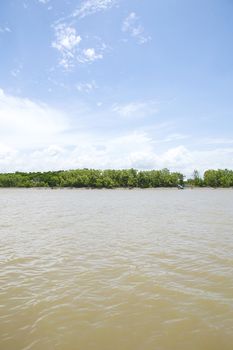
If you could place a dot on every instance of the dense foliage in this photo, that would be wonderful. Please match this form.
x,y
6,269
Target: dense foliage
x,y
128,178
212,178
218,178
91,178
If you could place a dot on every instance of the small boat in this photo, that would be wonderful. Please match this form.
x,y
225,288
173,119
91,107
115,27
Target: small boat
x,y
180,187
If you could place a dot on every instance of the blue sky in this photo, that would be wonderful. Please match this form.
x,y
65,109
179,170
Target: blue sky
x,y
116,84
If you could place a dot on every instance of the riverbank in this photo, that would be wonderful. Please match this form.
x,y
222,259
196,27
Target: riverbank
x,y
112,179
115,189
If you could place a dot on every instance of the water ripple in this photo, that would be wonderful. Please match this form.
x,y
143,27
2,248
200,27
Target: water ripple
x,y
100,270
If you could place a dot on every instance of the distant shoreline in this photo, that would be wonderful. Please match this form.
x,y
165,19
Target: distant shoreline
x,y
117,188
114,179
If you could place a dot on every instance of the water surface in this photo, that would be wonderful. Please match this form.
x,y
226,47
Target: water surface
x,y
116,269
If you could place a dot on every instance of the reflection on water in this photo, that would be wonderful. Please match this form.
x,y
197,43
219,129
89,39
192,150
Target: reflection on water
x,y
116,269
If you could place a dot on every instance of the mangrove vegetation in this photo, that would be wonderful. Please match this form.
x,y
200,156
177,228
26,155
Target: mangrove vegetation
x,y
126,178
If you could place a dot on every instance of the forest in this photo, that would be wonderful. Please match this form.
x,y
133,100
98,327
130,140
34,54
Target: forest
x,y
126,178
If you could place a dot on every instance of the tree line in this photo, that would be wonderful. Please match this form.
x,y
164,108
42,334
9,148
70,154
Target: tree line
x,y
212,178
126,178
91,178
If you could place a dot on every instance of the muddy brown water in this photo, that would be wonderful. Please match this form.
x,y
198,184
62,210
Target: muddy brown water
x,y
116,269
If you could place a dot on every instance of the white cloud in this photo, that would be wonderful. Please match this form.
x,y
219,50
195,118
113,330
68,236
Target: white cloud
x,y
91,55
217,158
132,150
67,38
44,1
7,154
86,87
132,25
90,7
24,123
136,109
67,41
35,136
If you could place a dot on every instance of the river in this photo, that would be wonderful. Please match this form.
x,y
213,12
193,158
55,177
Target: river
x,y
116,269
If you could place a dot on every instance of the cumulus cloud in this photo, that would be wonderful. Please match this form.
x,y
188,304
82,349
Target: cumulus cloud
x,y
132,25
90,7
90,54
35,136
132,150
